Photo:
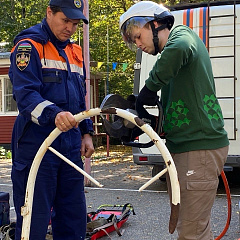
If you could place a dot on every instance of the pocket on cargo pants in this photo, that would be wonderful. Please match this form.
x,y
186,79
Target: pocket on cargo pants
x,y
195,211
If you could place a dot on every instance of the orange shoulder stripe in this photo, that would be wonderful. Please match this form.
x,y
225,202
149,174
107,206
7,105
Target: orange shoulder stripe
x,y
50,58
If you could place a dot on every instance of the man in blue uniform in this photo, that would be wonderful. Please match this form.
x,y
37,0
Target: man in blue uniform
x,y
48,77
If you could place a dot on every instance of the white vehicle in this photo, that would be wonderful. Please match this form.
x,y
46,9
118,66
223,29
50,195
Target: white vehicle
x,y
218,25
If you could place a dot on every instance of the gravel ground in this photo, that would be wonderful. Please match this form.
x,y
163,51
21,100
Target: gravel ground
x,y
121,179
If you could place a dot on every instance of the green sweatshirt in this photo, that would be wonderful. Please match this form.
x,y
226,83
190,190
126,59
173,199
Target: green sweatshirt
x,y
183,72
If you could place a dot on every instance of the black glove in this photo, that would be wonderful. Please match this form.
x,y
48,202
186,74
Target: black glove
x,y
147,97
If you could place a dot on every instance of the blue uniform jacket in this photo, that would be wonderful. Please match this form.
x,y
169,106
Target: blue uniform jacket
x,y
48,77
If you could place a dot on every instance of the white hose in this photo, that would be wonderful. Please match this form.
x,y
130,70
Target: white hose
x,y
26,210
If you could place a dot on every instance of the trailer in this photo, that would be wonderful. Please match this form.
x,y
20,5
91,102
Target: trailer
x,y
218,25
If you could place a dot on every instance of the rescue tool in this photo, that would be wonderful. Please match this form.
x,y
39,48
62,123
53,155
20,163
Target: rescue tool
x,y
106,219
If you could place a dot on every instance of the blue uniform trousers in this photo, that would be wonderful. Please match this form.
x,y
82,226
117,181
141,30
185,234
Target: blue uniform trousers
x,y
58,187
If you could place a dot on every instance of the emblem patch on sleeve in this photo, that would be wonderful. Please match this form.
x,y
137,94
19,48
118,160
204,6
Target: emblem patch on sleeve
x,y
22,60
24,47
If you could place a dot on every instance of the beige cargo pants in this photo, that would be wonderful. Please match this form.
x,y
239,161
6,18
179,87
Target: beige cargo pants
x,y
198,173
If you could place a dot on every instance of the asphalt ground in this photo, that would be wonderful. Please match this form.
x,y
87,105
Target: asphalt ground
x,y
121,179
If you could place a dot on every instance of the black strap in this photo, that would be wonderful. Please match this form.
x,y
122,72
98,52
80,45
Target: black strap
x,y
130,206
155,35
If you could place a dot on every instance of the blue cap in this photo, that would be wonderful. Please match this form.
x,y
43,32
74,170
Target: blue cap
x,y
73,9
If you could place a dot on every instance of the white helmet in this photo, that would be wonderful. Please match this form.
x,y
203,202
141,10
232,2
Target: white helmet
x,y
141,13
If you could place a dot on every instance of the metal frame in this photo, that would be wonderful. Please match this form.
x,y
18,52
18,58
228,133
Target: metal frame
x,y
227,56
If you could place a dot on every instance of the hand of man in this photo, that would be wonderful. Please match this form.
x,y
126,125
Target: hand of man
x,y
87,148
147,97
65,121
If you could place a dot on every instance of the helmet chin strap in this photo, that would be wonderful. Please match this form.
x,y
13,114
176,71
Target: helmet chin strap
x,y
155,36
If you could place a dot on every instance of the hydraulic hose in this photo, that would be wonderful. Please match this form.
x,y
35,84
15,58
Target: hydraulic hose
x,y
227,189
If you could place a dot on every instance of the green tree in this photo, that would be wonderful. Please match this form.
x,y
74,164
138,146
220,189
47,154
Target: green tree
x,y
107,46
18,15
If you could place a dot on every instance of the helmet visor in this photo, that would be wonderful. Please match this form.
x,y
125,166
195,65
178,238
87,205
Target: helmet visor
x,y
127,27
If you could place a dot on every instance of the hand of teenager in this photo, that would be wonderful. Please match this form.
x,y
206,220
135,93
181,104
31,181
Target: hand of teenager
x,y
147,97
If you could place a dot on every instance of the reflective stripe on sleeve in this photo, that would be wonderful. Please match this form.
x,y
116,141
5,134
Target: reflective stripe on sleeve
x,y
38,110
47,63
75,68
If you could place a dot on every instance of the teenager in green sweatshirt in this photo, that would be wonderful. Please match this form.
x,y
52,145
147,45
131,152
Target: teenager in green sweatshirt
x,y
193,125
